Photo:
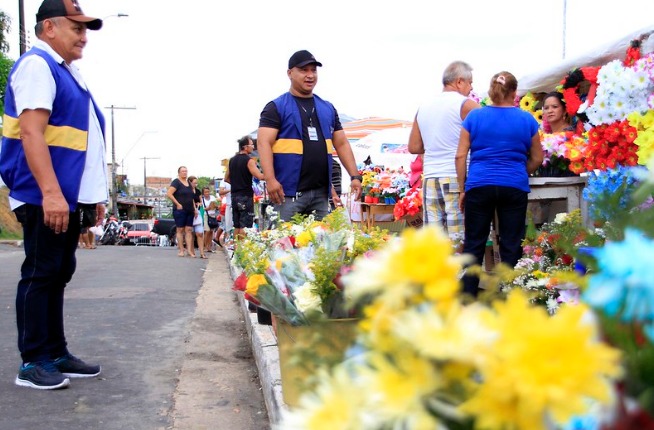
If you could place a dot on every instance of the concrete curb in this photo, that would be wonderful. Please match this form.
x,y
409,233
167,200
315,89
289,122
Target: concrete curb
x,y
12,242
266,356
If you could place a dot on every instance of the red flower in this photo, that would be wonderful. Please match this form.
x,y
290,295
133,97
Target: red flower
x,y
572,101
240,282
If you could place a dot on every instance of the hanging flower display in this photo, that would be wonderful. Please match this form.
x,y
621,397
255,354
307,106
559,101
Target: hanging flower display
x,y
610,145
622,90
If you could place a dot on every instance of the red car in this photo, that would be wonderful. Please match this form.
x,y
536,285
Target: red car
x,y
139,233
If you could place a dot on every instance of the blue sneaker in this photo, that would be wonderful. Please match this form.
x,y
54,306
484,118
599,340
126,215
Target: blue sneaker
x,y
73,367
42,375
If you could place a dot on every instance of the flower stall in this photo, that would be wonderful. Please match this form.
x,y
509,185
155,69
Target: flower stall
x,y
564,340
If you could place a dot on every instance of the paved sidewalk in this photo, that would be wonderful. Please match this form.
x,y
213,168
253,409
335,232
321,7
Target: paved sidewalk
x,y
169,333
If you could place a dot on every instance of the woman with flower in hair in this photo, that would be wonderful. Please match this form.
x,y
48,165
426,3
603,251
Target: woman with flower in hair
x,y
504,146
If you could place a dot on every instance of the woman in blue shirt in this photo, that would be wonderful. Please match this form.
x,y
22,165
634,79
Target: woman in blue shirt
x,y
504,147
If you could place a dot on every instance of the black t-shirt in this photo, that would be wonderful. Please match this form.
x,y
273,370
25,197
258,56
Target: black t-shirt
x,y
183,194
240,177
314,171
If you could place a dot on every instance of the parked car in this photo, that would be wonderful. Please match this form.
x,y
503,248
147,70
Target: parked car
x,y
165,227
139,233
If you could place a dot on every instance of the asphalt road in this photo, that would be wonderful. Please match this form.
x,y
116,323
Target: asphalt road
x,y
169,336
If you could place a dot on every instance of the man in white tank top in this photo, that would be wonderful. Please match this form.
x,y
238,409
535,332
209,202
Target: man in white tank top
x,y
435,133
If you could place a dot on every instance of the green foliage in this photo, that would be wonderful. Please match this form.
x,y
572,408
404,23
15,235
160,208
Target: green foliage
x,y
5,26
205,181
5,67
638,358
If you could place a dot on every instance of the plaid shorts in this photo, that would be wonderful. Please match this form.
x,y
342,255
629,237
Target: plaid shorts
x,y
441,204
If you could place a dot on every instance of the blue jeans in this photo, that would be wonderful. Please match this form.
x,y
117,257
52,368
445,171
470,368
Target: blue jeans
x,y
481,203
49,265
305,203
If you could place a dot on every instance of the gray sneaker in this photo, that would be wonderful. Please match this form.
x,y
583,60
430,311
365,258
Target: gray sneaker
x,y
73,367
41,375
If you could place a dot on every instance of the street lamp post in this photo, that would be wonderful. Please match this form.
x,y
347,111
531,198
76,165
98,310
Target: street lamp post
x,y
114,185
145,179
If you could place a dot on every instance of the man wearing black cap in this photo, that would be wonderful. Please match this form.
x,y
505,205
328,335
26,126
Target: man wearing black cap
x,y
298,132
52,161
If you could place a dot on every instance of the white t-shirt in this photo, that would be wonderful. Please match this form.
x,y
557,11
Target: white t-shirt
x,y
440,127
35,88
227,198
207,202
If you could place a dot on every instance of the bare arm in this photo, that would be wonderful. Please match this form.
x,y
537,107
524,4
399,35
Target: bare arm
x,y
254,170
32,129
416,145
345,154
468,105
460,161
266,136
535,154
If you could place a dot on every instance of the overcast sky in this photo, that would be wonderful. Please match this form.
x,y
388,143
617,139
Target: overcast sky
x,y
200,72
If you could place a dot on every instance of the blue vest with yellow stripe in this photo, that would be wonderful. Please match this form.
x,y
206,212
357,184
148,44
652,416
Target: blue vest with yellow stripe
x,y
66,136
287,149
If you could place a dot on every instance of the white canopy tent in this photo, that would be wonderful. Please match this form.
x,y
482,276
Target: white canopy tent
x,y
385,147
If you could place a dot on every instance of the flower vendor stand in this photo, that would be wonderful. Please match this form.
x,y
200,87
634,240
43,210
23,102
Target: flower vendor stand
x,y
568,189
303,349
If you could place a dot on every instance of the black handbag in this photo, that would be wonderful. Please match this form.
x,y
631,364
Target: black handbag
x,y
212,221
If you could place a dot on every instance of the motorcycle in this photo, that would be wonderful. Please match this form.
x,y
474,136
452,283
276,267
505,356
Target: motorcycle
x,y
110,235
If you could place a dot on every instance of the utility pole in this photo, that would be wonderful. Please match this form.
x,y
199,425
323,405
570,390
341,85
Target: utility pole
x,y
565,19
145,178
21,27
114,185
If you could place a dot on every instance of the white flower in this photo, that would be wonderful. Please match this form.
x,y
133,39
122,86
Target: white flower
x,y
560,218
306,300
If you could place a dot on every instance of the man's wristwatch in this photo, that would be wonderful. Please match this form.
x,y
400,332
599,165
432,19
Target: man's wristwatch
x,y
357,178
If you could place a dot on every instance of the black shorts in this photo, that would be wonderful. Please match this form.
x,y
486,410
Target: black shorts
x,y
242,211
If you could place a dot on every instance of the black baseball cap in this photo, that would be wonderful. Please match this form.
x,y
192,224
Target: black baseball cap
x,y
68,8
302,58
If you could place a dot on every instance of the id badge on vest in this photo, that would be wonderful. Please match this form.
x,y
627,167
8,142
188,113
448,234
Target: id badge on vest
x,y
313,133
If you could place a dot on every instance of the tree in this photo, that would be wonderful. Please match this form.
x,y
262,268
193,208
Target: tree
x,y
5,26
5,62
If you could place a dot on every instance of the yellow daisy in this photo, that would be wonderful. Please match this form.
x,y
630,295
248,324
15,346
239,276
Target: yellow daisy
x,y
541,366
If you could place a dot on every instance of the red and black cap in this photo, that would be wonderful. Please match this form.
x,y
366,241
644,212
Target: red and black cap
x,y
68,8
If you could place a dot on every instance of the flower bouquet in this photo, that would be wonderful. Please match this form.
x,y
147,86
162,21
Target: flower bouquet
x,y
294,271
547,254
425,359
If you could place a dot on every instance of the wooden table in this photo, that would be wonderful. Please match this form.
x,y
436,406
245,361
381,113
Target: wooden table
x,y
369,210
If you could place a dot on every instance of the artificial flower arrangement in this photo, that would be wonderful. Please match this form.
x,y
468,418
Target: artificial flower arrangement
x,y
562,154
547,253
293,271
611,106
427,358
383,185
530,104
409,205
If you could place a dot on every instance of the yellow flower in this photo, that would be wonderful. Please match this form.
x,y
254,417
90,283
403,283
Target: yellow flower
x,y
253,284
541,366
528,102
538,115
304,238
336,403
463,333
399,384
